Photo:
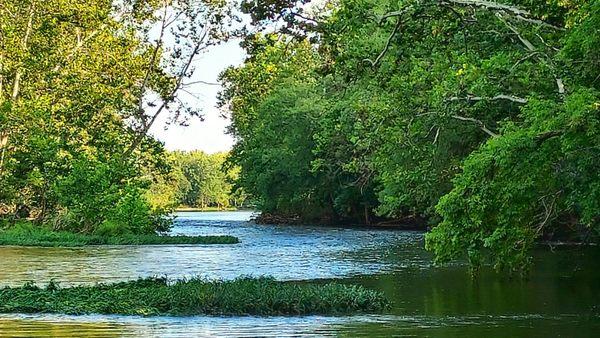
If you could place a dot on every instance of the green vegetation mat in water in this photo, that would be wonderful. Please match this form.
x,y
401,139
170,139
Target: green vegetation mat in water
x,y
156,296
30,236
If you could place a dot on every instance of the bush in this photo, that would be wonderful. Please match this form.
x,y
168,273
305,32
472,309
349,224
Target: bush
x,y
101,198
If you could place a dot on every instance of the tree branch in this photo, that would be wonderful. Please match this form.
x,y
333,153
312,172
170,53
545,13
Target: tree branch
x,y
548,135
387,45
19,73
470,98
516,12
182,75
150,70
201,82
523,40
396,13
79,45
479,122
559,82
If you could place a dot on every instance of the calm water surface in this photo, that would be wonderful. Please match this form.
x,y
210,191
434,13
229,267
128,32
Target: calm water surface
x,y
560,299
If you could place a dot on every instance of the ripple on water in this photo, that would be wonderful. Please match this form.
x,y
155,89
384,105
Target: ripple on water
x,y
559,299
285,252
312,326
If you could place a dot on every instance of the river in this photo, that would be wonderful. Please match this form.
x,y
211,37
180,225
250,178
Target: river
x,y
560,298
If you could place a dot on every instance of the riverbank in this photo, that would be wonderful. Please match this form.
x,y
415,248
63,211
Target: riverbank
x,y
208,209
406,223
155,296
42,237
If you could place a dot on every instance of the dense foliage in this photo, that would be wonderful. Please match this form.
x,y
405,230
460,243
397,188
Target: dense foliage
x,y
153,297
197,180
81,83
480,116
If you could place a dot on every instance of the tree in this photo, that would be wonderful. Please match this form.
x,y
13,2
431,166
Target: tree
x,y
81,82
198,180
478,116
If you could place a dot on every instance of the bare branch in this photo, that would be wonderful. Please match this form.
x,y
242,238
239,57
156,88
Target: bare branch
x,y
184,73
151,64
201,82
528,56
531,48
470,98
523,40
516,12
304,17
1,77
80,43
479,122
3,143
387,45
560,85
548,135
396,13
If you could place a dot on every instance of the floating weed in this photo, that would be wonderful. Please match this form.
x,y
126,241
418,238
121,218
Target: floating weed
x,y
156,296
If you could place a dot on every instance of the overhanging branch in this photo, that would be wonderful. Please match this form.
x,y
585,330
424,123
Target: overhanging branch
x,y
478,122
387,45
470,98
516,12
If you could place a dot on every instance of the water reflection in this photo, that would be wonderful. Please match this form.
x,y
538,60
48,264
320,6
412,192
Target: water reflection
x,y
360,326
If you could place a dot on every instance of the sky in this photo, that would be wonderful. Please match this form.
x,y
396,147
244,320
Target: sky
x,y
208,135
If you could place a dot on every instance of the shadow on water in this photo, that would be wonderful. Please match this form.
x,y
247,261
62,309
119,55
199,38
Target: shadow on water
x,y
561,297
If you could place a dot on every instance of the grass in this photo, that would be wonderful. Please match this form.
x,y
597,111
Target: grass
x,y
38,236
155,296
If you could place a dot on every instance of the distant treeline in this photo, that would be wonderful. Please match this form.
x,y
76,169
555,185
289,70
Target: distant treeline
x,y
197,180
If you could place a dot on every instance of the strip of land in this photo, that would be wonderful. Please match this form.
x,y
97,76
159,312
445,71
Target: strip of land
x,y
42,237
156,296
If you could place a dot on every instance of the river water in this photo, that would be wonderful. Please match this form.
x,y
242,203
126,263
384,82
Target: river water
x,y
561,297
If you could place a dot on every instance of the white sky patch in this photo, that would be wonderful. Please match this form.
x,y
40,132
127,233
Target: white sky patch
x,y
208,135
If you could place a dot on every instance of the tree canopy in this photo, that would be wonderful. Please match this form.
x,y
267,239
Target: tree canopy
x,y
81,83
479,116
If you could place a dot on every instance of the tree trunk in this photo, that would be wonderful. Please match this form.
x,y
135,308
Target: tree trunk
x,y
19,73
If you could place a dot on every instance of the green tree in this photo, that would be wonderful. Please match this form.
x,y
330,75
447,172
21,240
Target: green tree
x,y
478,116
81,83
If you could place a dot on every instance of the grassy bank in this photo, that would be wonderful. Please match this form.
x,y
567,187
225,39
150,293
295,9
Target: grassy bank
x,y
148,297
37,236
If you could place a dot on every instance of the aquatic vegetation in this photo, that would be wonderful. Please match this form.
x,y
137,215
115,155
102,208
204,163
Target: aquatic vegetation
x,y
40,236
156,296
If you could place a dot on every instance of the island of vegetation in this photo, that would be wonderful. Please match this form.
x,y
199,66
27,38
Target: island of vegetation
x,y
27,234
155,296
